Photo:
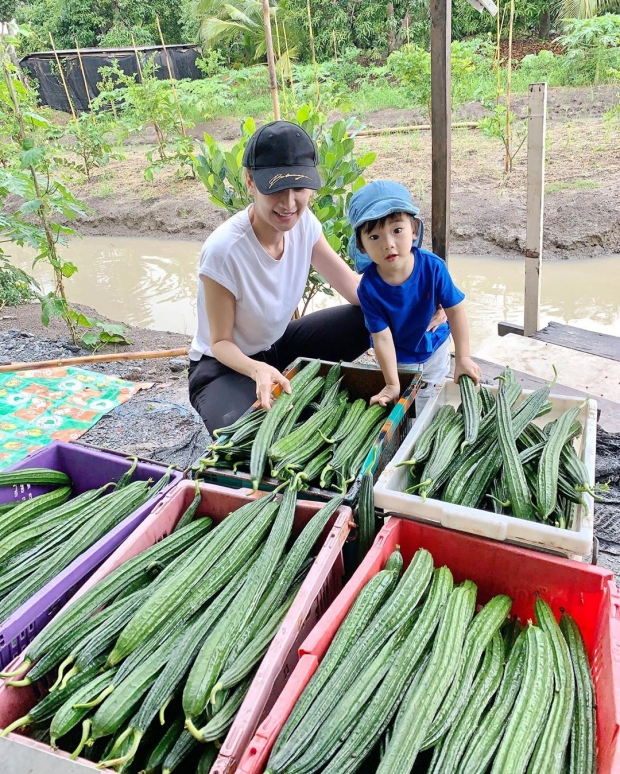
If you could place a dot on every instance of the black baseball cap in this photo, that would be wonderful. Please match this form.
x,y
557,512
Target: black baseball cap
x,y
281,155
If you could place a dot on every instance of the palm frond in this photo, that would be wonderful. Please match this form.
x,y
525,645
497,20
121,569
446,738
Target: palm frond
x,y
582,9
214,30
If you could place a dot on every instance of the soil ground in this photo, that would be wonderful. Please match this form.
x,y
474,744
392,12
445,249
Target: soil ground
x,y
582,185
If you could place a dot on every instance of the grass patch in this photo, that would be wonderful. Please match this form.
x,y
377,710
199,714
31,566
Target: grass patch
x,y
574,185
371,97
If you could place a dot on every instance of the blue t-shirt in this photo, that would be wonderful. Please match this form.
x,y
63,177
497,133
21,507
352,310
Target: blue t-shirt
x,y
407,309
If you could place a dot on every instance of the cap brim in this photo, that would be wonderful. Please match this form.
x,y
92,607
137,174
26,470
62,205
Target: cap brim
x,y
274,179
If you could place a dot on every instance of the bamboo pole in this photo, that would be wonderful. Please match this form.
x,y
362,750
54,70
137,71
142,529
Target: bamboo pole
x,y
138,63
62,77
314,64
158,132
290,68
71,361
335,46
271,64
79,56
508,142
413,128
284,99
78,133
498,54
172,83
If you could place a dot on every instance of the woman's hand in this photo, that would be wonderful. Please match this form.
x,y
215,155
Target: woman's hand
x,y
389,394
265,377
439,318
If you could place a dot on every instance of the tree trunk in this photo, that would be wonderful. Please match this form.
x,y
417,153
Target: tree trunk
x,y
544,27
390,28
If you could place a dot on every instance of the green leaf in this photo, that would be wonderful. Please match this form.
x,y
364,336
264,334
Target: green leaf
x,y
51,306
367,159
32,157
90,339
37,120
334,242
339,130
68,269
32,206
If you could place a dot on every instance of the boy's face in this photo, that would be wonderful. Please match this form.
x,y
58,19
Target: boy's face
x,y
390,244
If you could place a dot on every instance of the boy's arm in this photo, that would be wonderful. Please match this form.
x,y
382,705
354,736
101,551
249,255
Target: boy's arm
x,y
386,355
463,363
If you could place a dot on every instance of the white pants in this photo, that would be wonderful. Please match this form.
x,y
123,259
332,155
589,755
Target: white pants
x,y
434,370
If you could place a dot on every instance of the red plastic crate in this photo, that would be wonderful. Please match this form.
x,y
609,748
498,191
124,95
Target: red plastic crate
x,y
588,593
321,586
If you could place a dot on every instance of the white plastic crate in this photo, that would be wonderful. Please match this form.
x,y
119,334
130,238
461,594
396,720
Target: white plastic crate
x,y
576,542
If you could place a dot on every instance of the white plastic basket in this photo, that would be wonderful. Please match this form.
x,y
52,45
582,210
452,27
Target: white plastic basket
x,y
576,542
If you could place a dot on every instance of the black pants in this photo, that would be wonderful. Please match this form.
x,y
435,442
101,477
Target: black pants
x,y
220,395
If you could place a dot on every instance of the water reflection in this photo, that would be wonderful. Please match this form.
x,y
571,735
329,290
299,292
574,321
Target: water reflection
x,y
153,283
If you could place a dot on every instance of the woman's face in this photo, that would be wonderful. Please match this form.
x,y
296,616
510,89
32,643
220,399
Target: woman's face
x,y
280,210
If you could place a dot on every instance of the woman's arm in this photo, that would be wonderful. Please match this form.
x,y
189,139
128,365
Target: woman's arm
x,y
221,304
335,271
463,363
385,351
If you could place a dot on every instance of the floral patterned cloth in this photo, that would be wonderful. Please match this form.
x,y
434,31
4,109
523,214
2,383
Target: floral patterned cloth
x,y
48,404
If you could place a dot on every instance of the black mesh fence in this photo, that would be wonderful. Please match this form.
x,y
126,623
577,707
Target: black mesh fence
x,y
43,67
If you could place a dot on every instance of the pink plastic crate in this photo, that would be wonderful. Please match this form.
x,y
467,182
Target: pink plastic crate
x,y
321,586
88,468
588,593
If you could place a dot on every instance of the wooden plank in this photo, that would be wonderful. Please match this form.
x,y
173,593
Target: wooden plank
x,y
441,121
595,375
536,127
504,328
601,344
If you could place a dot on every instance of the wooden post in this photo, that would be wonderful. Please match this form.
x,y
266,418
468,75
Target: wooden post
x,y
536,128
508,140
273,80
441,119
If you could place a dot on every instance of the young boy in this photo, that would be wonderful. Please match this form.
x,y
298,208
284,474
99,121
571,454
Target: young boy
x,y
400,290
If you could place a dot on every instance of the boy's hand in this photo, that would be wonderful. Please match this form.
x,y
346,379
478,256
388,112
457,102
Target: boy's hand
x,y
389,394
465,365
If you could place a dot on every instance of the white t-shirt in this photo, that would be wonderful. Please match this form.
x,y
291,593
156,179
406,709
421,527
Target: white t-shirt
x,y
267,291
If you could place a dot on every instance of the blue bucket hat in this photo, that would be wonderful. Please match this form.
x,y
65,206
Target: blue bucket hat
x,y
377,200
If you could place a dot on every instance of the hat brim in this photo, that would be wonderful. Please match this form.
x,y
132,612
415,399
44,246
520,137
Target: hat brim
x,y
380,210
275,179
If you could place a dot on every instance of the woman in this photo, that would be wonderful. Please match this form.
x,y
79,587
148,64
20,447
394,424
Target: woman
x,y
253,271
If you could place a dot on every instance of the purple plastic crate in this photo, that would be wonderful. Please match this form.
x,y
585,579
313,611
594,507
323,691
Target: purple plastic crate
x,y
88,468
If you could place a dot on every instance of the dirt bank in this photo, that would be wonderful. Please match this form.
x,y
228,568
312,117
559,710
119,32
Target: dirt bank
x,y
582,217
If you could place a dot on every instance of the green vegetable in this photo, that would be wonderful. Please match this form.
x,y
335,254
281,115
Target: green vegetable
x,y
532,705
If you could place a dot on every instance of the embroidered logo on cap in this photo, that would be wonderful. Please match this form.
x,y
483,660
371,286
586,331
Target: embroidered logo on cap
x,y
276,178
